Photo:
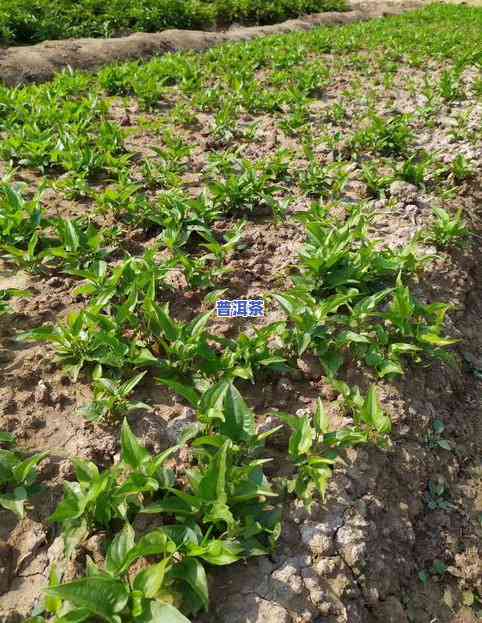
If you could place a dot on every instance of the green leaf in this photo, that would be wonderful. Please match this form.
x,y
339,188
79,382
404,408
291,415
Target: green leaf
x,y
186,391
218,552
198,324
389,367
127,387
133,453
239,421
159,316
72,506
102,596
71,235
15,501
372,413
320,418
6,438
436,340
302,439
85,471
153,543
24,470
171,506
53,604
40,334
213,483
150,580
73,534
192,572
118,550
75,616
155,612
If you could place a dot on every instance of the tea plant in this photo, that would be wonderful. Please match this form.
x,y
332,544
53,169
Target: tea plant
x,y
85,338
314,447
447,230
390,137
111,398
115,494
18,473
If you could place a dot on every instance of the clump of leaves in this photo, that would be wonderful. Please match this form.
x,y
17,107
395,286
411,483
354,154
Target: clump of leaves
x,y
447,229
434,438
181,347
99,499
18,473
249,354
245,189
6,295
111,398
174,582
388,137
228,492
315,447
85,338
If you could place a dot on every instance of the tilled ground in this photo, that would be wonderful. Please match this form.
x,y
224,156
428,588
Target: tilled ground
x,y
370,552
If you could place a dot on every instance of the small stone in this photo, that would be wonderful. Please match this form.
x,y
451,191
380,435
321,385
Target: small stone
x,y
284,385
178,425
310,367
55,282
317,537
41,393
403,191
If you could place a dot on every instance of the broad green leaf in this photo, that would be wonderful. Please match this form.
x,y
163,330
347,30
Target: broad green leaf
x,y
192,572
133,453
6,438
159,315
170,505
85,471
150,580
389,367
53,603
75,616
103,596
436,340
213,483
320,418
127,387
198,324
372,413
187,392
156,462
71,235
73,534
155,543
118,550
72,506
156,612
15,501
239,421
218,552
302,439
